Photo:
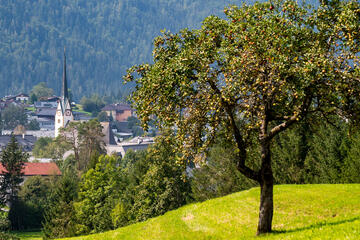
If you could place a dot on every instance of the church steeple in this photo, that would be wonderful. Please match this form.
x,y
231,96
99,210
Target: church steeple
x,y
64,113
65,94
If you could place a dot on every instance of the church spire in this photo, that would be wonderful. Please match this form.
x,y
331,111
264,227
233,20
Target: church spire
x,y
65,94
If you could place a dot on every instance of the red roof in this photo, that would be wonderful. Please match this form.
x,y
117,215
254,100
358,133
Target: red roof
x,y
38,169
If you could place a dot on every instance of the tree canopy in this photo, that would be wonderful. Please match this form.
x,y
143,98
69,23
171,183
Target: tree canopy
x,y
41,90
85,139
268,66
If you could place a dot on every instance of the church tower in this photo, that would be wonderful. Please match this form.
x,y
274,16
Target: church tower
x,y
64,113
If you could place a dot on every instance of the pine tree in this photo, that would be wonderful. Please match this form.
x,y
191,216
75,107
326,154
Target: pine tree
x,y
324,162
12,159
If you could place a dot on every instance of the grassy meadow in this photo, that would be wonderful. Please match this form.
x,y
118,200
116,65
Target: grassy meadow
x,y
29,235
300,212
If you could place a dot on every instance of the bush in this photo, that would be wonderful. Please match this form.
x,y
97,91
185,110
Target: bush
x,y
8,236
5,223
28,210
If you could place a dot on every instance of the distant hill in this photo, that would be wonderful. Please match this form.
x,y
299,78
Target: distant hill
x,y
300,212
102,38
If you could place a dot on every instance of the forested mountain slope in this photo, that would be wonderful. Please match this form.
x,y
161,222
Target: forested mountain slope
x,y
102,39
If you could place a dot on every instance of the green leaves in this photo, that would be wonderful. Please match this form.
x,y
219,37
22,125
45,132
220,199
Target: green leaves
x,y
266,62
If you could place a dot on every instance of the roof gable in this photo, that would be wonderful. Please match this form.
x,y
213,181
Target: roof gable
x,y
38,169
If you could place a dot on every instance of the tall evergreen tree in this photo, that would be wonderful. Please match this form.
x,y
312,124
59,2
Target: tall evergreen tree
x,y
351,167
327,153
12,159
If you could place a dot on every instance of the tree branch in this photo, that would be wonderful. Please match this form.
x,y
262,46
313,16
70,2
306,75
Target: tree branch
x,y
293,119
248,172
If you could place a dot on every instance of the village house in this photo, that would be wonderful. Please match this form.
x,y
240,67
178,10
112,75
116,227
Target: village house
x,y
119,112
22,97
48,102
19,98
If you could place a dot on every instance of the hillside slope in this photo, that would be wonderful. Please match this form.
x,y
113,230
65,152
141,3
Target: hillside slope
x,y
102,39
301,212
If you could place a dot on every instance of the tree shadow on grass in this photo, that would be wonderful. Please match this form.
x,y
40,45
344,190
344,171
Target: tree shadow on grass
x,y
315,226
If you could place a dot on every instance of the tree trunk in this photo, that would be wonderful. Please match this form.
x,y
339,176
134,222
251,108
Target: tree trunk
x,y
266,197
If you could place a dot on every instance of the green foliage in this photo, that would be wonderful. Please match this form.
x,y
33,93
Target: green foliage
x,y
134,125
40,146
33,98
143,184
85,139
265,68
13,116
29,208
326,157
98,195
164,186
12,158
8,236
5,224
60,214
351,166
94,104
289,151
103,117
218,176
40,91
33,125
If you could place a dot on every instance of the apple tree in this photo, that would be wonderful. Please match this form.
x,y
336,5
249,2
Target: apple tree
x,y
264,68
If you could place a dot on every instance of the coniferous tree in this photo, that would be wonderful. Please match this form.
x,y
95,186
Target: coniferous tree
x,y
351,167
289,153
324,162
12,159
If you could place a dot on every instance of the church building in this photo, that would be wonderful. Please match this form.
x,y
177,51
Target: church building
x,y
64,112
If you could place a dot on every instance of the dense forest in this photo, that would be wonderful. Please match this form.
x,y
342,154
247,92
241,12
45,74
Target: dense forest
x,y
102,39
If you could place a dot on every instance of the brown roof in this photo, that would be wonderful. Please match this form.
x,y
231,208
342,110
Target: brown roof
x,y
38,169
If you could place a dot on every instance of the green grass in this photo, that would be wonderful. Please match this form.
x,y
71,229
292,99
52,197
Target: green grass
x,y
35,235
301,212
79,108
30,109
